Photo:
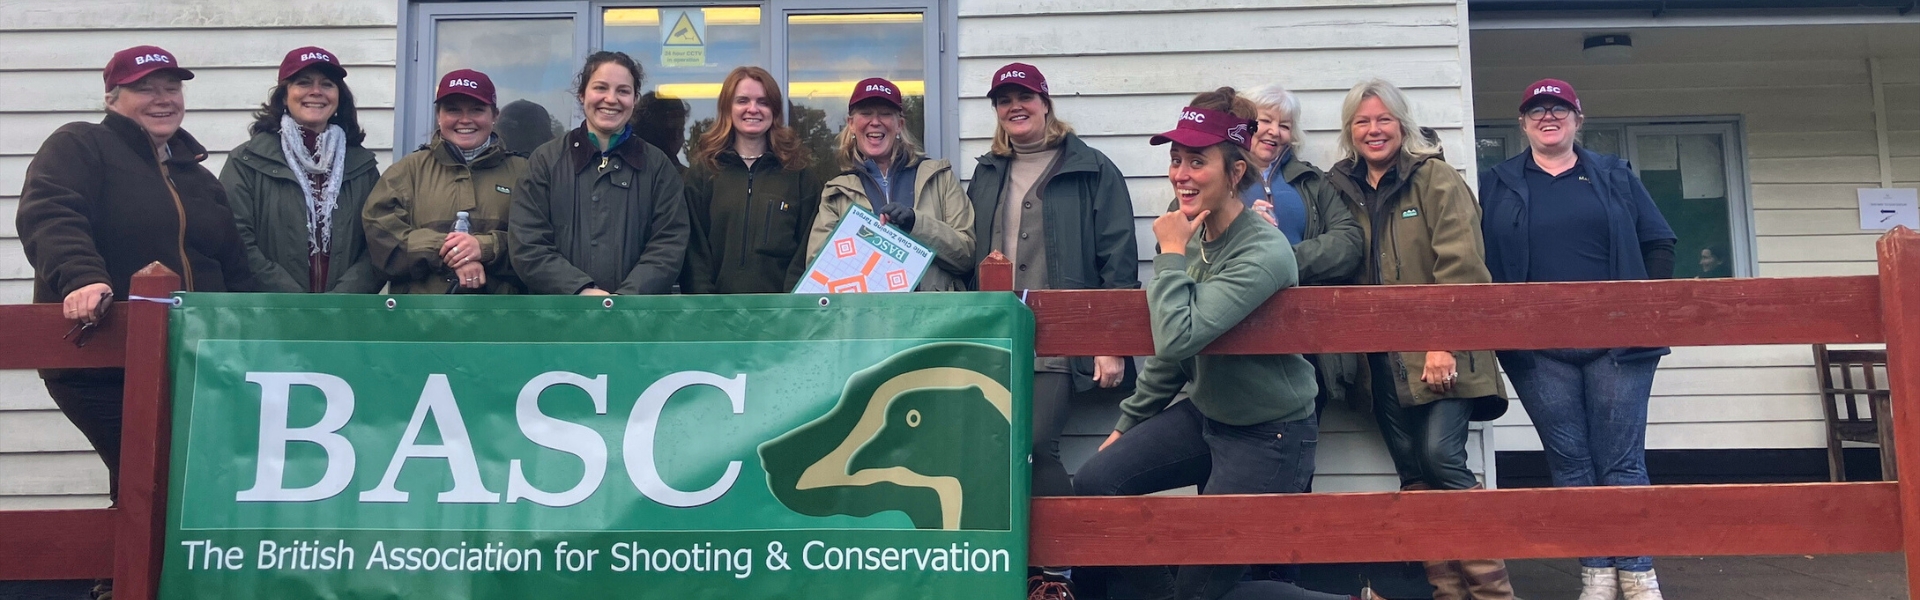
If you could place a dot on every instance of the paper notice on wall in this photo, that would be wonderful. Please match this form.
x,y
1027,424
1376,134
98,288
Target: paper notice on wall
x,y
1703,168
1883,208
1658,153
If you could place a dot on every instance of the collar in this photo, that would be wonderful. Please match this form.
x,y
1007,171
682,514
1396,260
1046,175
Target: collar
x,y
628,147
1579,163
183,147
446,154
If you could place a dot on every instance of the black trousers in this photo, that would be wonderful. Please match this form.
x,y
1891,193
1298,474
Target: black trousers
x,y
1052,402
1428,442
91,399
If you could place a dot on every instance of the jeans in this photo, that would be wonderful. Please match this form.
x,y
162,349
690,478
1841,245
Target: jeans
x,y
1428,442
1052,401
91,399
1181,447
1591,413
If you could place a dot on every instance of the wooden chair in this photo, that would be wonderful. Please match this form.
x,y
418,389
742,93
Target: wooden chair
x,y
1848,377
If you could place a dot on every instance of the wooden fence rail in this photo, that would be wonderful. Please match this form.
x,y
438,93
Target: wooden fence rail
x,y
1817,518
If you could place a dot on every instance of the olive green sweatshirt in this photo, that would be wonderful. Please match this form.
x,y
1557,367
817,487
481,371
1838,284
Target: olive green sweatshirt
x,y
1195,298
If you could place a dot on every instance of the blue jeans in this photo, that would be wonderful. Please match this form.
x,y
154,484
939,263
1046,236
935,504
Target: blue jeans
x,y
1181,447
1591,413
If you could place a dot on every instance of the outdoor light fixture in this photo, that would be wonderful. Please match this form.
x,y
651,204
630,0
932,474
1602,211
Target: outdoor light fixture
x,y
1608,49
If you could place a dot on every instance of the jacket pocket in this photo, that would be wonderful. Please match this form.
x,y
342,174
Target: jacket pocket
x,y
779,220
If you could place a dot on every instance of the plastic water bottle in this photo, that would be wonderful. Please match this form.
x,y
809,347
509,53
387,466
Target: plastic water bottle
x,y
461,224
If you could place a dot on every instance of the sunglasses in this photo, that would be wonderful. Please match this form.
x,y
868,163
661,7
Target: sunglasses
x,y
82,332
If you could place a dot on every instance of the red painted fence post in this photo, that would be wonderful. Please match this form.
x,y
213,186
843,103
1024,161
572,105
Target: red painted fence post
x,y
996,273
146,417
1900,313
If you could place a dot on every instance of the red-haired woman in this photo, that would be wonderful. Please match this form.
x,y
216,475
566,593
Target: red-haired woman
x,y
750,196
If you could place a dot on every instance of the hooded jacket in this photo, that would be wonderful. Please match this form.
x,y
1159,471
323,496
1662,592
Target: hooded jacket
x,y
1422,225
749,225
614,220
98,206
1633,222
943,220
271,211
414,207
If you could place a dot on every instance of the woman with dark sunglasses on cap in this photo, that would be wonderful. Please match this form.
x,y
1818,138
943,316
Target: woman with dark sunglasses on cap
x,y
1249,425
751,197
298,185
1423,227
1059,210
885,172
437,221
1560,212
103,200
600,212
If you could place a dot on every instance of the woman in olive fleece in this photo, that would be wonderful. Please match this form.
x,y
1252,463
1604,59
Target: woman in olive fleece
x,y
1249,427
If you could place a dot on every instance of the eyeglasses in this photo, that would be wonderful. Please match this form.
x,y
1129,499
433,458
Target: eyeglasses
x,y
82,332
1559,111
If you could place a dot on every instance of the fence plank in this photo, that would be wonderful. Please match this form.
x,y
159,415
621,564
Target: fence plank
x,y
1900,293
1817,518
1721,312
33,339
56,544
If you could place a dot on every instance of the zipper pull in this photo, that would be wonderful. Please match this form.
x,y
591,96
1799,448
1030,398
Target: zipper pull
x,y
603,162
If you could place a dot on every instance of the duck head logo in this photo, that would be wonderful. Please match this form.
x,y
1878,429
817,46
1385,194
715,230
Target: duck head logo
x,y
926,432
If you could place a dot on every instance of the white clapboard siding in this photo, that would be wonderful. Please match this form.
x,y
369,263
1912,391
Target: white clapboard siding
x,y
51,52
1806,113
1120,70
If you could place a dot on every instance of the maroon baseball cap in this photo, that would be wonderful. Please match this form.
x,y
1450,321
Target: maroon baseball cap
x,y
1020,74
1201,127
131,64
301,58
875,87
466,82
1550,88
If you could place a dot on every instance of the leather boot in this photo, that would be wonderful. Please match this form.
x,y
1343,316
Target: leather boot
x,y
1640,585
1486,579
1446,581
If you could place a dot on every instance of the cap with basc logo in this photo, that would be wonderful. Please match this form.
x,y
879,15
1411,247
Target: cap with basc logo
x,y
466,82
129,65
1020,74
301,58
1200,127
1550,88
876,88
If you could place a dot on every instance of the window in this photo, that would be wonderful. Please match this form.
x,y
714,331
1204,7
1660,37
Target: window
x,y
1693,170
816,48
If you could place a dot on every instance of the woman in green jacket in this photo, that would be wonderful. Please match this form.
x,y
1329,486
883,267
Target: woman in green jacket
x,y
298,185
885,172
413,217
751,200
1423,226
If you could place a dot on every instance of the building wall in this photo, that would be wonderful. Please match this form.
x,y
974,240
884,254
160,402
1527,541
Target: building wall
x,y
1806,109
1120,70
51,53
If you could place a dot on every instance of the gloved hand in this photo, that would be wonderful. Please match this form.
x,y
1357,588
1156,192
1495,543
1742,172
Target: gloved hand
x,y
900,215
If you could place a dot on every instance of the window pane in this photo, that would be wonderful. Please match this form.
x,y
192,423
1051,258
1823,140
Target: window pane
x,y
683,77
1490,151
1687,176
1604,141
827,54
531,63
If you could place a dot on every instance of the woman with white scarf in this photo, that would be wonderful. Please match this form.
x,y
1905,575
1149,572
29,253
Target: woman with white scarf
x,y
298,185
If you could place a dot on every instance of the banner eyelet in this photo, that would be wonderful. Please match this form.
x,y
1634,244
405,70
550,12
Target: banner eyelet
x,y
607,303
824,301
391,304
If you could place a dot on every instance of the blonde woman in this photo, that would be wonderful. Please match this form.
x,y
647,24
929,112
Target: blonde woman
x,y
885,172
1422,225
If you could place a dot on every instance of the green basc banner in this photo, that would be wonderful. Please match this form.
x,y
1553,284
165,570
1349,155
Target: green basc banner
x,y
776,446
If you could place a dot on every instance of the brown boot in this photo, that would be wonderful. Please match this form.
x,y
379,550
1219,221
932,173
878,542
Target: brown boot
x,y
1446,580
1486,579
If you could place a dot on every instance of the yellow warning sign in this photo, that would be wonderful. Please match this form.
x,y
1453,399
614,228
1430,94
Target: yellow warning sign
x,y
684,33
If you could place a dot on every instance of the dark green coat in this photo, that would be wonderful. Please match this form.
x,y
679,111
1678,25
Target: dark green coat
x,y
616,221
271,212
749,226
1088,213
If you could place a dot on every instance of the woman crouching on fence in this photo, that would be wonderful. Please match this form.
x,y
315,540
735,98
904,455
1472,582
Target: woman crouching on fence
x,y
1249,427
886,172
1560,212
1423,226
437,221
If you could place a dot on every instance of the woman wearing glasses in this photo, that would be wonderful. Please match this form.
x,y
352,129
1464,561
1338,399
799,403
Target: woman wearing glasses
x,y
1560,212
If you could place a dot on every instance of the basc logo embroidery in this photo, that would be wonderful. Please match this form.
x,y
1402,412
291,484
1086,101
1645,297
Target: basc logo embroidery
x,y
321,56
465,83
875,87
926,432
1547,89
1238,133
1195,116
144,59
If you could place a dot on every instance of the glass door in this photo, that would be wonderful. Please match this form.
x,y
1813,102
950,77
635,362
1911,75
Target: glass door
x,y
1693,173
686,53
826,51
530,50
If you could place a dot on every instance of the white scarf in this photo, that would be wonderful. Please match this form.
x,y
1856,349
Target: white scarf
x,y
328,158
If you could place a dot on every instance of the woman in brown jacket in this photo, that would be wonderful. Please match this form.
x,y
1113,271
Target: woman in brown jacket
x,y
1422,225
101,201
